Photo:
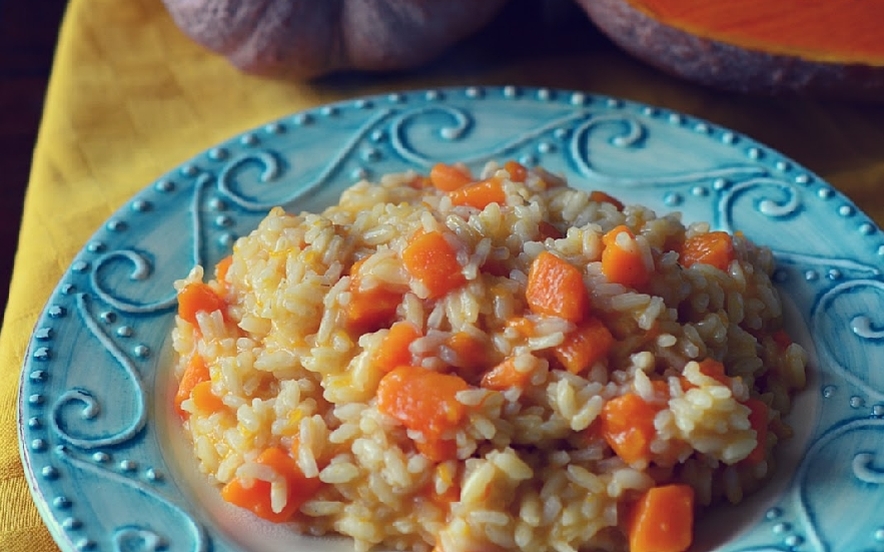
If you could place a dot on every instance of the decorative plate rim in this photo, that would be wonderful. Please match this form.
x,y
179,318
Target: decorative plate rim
x,y
225,183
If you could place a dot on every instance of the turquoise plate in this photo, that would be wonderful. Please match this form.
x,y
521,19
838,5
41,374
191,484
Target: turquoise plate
x,y
110,469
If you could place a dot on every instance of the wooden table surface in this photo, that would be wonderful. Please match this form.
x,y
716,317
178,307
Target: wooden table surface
x,y
28,33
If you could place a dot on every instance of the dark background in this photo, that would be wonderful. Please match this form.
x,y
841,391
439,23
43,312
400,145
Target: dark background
x,y
28,33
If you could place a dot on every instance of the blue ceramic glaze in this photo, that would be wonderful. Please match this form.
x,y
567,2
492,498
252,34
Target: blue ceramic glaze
x,y
110,470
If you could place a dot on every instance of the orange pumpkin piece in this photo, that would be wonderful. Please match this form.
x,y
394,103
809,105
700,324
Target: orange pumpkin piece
x,y
256,497
437,450
422,399
448,178
662,520
194,373
601,197
712,368
555,288
449,495
504,376
301,486
198,297
204,399
713,248
782,339
470,352
622,261
584,346
222,267
420,182
394,349
524,326
443,500
758,419
370,309
627,425
661,389
432,260
479,194
517,171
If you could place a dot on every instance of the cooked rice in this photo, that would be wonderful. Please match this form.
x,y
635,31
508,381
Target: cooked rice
x,y
530,473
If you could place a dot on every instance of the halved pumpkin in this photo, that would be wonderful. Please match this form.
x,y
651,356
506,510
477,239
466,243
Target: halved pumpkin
x,y
815,47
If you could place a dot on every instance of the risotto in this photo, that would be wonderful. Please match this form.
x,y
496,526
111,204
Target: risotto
x,y
471,364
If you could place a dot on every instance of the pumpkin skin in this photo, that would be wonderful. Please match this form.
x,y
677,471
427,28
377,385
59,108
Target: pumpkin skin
x,y
307,38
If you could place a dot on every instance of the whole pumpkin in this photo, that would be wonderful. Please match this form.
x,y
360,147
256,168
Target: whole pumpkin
x,y
306,38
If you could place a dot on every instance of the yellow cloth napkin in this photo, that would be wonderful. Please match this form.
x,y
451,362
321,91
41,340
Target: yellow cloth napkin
x,y
131,97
